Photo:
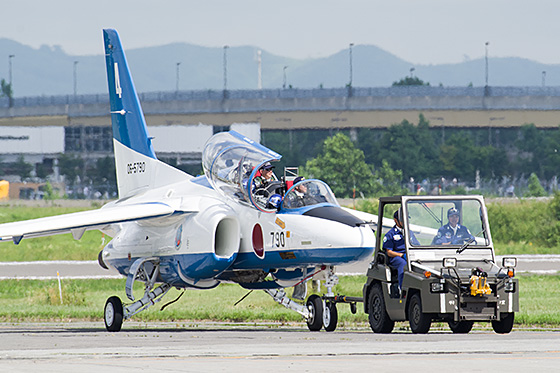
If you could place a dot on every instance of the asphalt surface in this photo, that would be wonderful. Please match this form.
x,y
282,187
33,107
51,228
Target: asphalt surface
x,y
87,347
536,264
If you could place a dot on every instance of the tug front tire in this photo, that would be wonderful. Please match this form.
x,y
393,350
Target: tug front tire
x,y
420,322
113,314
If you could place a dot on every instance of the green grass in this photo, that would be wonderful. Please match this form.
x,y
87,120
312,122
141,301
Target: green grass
x,y
37,300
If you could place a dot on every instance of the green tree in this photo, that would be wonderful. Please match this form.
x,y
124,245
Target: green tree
x,y
71,167
535,187
6,89
50,194
410,80
342,166
23,168
388,182
408,148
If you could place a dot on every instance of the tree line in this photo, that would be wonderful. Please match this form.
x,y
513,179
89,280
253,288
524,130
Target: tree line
x,y
385,161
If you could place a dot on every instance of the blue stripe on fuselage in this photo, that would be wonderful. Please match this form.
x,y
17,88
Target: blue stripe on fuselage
x,y
205,266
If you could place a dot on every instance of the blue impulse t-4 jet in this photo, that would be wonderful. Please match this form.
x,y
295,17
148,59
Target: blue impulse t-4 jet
x,y
170,229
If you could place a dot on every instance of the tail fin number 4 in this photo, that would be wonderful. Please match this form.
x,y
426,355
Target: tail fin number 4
x,y
118,89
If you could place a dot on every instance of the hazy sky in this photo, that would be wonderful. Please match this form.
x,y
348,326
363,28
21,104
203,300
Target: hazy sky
x,y
419,31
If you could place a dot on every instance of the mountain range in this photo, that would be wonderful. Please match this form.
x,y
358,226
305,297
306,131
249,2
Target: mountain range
x,y
48,70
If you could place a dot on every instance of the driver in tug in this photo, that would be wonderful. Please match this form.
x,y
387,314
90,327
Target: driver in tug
x,y
394,245
452,233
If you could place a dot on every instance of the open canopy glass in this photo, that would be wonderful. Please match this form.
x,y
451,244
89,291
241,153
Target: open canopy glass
x,y
231,163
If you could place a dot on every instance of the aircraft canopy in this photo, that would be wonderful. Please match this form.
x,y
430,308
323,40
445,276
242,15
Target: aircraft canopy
x,y
231,161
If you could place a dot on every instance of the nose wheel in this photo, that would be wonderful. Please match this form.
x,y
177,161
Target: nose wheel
x,y
113,314
321,314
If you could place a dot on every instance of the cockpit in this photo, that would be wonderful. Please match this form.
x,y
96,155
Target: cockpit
x,y
243,170
308,193
233,164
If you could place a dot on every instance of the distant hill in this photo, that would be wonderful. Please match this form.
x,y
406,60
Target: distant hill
x,y
49,70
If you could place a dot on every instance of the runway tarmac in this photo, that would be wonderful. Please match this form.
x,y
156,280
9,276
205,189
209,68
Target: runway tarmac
x,y
87,347
45,270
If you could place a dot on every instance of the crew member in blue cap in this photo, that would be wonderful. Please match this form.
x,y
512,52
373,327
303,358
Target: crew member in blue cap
x,y
394,245
452,233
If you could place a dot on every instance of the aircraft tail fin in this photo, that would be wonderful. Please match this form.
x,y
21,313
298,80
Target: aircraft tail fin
x,y
136,163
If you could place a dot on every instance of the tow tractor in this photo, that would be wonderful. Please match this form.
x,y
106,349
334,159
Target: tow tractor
x,y
450,275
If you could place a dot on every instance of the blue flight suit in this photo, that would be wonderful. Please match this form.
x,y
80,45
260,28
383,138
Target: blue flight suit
x,y
394,240
446,235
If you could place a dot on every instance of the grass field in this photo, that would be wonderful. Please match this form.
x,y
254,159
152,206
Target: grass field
x,y
85,299
35,300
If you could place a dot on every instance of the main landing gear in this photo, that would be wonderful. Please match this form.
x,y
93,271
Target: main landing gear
x,y
319,311
145,270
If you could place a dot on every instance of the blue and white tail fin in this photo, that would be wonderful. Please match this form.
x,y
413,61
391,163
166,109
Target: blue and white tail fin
x,y
138,169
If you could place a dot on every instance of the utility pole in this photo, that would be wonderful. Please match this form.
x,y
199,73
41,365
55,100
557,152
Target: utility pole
x,y
75,78
259,69
177,78
11,97
225,69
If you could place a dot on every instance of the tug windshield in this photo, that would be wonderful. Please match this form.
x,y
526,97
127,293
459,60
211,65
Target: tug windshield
x,y
232,162
446,223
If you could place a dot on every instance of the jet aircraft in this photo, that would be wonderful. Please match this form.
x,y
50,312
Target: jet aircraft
x,y
171,229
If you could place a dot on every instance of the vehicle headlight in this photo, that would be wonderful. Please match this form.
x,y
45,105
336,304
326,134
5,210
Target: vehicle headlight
x,y
509,262
449,262
509,287
437,287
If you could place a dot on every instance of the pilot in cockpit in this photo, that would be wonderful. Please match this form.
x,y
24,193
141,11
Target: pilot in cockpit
x,y
265,176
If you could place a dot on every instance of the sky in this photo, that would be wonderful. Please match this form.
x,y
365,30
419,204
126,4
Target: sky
x,y
419,31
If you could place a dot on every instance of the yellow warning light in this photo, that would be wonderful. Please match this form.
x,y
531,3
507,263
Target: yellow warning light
x,y
479,286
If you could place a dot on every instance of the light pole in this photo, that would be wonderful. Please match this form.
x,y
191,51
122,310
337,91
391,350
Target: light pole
x,y
486,62
177,78
412,72
543,78
284,84
10,64
259,69
11,97
75,78
225,68
350,56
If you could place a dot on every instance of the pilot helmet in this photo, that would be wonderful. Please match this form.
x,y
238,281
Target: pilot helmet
x,y
274,201
267,166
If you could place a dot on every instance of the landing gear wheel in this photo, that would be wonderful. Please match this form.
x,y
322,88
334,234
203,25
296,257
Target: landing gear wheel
x,y
315,306
330,316
505,325
460,327
379,320
113,314
420,322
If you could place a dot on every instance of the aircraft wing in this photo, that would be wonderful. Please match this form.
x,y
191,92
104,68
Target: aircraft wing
x,y
77,223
